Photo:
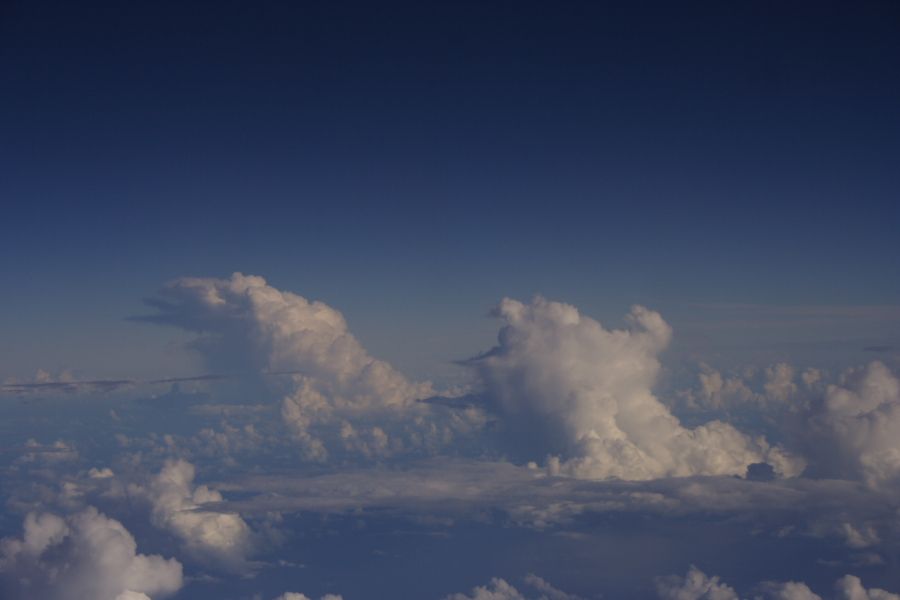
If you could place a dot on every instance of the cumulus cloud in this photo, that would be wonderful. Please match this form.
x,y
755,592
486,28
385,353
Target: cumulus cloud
x,y
86,555
244,318
696,585
219,537
337,395
568,387
788,590
860,420
847,425
849,587
499,589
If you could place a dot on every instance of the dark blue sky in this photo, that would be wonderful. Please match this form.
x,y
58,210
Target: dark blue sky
x,y
411,163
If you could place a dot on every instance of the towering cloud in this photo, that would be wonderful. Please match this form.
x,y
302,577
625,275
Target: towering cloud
x,y
568,387
338,396
86,555
245,322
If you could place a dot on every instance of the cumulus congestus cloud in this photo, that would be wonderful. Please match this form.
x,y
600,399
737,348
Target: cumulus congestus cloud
x,y
337,396
558,381
569,388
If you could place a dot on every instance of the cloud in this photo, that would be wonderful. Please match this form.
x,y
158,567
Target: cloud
x,y
466,490
849,587
789,590
222,538
548,591
335,396
846,426
858,426
245,319
86,555
499,589
566,386
696,585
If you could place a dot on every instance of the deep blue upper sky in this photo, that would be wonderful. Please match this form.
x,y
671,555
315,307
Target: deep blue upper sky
x,y
411,163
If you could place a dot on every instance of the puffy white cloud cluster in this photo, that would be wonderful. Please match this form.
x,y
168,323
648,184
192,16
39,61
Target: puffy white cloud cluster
x,y
567,386
177,505
860,418
279,331
849,587
777,388
499,589
85,555
789,590
339,396
696,585
848,425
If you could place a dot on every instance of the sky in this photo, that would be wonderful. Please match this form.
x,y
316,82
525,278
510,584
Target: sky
x,y
471,297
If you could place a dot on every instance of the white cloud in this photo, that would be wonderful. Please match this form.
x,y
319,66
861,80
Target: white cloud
x,y
849,587
104,473
548,592
861,418
500,589
570,387
780,382
335,396
788,590
86,555
696,585
221,537
497,589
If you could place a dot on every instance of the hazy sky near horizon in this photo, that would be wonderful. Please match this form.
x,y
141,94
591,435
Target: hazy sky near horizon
x,y
464,300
